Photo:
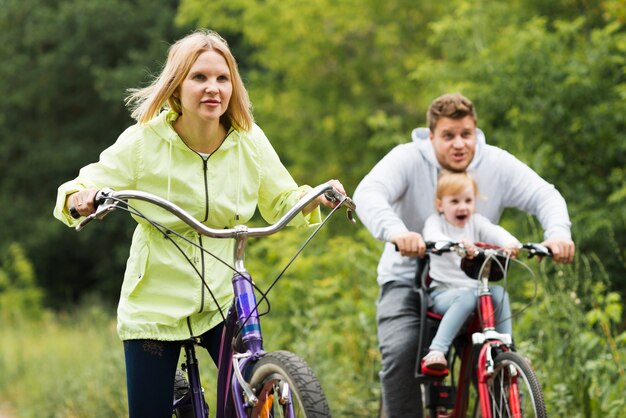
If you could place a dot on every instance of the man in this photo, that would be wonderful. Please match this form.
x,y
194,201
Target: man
x,y
393,202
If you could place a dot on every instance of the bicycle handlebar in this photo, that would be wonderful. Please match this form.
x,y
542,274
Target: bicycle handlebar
x,y
107,200
440,247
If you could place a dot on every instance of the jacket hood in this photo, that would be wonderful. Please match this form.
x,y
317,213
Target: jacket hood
x,y
421,137
162,126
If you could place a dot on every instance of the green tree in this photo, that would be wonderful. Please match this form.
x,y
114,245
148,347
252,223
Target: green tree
x,y
327,78
323,309
20,297
336,84
553,93
65,66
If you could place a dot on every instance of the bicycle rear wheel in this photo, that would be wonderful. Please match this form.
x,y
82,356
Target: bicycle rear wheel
x,y
282,373
514,390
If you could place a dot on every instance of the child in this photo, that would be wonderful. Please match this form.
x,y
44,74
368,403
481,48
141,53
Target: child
x,y
453,292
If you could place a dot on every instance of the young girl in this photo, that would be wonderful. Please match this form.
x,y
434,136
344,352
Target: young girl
x,y
454,293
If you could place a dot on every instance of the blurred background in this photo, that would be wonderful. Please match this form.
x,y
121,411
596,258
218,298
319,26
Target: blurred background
x,y
335,85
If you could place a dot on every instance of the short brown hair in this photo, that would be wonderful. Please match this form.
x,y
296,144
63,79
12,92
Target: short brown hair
x,y
451,105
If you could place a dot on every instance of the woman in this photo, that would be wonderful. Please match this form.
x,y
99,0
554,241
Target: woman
x,y
196,144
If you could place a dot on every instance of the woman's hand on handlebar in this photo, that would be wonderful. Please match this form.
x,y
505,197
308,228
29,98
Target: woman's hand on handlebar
x,y
323,200
82,202
562,249
410,244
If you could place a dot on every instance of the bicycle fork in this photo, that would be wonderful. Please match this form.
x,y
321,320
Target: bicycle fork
x,y
197,396
488,340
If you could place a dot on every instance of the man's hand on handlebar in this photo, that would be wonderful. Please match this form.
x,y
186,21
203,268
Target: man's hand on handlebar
x,y
562,249
410,244
82,203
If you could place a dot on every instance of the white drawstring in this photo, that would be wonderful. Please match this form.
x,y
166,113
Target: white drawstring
x,y
238,176
169,171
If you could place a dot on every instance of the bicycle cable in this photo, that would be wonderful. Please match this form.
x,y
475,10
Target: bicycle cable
x,y
166,232
505,269
288,264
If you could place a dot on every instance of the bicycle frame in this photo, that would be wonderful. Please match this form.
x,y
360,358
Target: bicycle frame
x,y
489,339
481,340
232,365
484,338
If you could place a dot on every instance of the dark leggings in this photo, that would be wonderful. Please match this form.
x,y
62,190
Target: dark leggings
x,y
150,369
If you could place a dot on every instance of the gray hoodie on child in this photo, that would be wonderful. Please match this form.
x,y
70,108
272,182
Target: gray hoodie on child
x,y
398,196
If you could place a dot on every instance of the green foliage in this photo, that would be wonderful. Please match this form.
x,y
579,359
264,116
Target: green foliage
x,y
320,75
65,66
323,309
551,91
571,335
64,366
20,297
336,84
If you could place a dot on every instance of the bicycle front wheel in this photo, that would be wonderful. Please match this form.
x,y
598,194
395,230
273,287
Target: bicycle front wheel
x,y
514,390
281,381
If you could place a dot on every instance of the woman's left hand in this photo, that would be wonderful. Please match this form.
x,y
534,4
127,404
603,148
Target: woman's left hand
x,y
337,186
321,200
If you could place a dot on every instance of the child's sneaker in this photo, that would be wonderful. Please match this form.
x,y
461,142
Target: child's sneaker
x,y
435,360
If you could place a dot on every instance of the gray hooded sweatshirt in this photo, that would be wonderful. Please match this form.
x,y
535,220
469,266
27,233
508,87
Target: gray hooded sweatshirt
x,y
398,195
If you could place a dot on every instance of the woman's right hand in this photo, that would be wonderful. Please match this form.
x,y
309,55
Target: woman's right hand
x,y
82,202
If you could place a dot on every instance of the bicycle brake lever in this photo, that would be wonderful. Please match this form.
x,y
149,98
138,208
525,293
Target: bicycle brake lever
x,y
103,204
442,246
334,196
350,215
537,250
85,221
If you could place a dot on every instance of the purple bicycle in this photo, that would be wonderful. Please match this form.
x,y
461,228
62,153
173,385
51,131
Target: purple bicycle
x,y
251,383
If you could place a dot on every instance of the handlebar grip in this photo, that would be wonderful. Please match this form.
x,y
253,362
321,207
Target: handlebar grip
x,y
431,246
333,195
98,198
535,249
74,213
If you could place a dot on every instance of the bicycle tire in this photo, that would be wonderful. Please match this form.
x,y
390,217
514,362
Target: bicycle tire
x,y
181,388
275,369
509,369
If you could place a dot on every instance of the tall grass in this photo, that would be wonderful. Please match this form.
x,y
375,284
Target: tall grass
x,y
63,366
572,333
71,365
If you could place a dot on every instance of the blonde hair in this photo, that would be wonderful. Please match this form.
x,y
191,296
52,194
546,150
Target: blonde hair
x,y
450,183
451,105
146,103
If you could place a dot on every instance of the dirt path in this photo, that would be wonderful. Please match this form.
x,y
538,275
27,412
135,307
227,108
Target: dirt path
x,y
6,411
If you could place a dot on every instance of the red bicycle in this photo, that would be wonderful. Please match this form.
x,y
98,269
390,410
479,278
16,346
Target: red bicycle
x,y
504,383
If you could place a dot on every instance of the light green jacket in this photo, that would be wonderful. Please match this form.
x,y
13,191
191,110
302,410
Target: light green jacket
x,y
162,296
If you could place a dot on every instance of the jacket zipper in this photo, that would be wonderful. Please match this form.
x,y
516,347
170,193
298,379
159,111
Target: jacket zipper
x,y
205,168
206,188
202,281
